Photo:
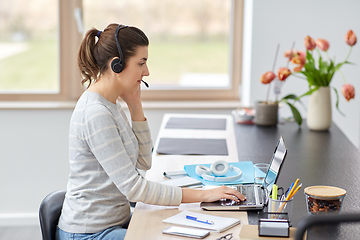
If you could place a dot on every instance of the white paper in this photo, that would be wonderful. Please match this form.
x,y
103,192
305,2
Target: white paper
x,y
220,223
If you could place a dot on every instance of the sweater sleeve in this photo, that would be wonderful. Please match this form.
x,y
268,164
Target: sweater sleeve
x,y
104,139
143,136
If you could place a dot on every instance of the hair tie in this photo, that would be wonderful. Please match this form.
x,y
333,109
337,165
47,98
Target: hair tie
x,y
98,34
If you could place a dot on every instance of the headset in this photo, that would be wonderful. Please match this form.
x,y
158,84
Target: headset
x,y
219,169
117,65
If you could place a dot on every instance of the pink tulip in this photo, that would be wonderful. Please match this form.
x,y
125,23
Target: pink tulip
x,y
267,77
322,44
300,62
283,73
301,54
350,38
289,54
348,91
294,53
309,43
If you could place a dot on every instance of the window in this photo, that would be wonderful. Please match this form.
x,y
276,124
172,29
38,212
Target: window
x,y
194,52
190,51
37,53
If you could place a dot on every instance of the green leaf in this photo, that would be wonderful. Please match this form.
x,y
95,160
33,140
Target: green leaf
x,y
308,93
290,96
295,112
337,101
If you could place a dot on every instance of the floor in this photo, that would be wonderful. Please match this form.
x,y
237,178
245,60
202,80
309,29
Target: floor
x,y
20,233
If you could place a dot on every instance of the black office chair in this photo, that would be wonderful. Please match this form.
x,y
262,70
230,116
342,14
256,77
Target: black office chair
x,y
49,213
313,220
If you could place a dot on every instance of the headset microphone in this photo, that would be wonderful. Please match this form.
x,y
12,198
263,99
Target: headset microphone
x,y
146,84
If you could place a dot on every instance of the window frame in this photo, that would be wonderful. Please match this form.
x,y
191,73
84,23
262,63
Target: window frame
x,y
70,79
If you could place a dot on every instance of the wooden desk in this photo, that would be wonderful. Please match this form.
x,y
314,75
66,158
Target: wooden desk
x,y
316,158
146,222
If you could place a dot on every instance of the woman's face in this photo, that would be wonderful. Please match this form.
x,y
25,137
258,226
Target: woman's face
x,y
134,71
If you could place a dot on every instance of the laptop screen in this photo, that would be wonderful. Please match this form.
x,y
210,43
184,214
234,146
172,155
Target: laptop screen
x,y
275,164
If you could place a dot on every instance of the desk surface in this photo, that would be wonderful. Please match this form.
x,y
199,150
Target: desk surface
x,y
316,158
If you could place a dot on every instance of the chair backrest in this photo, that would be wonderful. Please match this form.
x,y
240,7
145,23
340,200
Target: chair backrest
x,y
323,219
49,213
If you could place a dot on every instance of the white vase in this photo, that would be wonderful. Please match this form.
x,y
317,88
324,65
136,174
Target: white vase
x,y
319,110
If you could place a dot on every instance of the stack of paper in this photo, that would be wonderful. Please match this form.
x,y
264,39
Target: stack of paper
x,y
220,224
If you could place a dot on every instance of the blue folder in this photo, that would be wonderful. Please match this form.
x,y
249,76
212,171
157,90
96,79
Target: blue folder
x,y
247,168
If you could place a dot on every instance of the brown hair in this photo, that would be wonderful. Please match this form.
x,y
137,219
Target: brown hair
x,y
94,56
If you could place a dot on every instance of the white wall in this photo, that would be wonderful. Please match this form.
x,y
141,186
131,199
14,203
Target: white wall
x,y
283,22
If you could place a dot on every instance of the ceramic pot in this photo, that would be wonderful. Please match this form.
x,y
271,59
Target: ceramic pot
x,y
266,114
319,110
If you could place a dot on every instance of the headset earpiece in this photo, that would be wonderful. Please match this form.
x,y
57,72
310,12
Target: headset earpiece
x,y
219,169
116,65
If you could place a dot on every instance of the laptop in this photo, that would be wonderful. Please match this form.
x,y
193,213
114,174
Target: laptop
x,y
256,195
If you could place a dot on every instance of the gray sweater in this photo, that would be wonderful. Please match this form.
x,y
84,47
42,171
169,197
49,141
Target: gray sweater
x,y
105,153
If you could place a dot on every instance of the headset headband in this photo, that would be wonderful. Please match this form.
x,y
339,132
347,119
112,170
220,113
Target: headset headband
x,y
117,41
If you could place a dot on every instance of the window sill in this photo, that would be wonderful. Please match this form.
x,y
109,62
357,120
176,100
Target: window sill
x,y
146,105
37,105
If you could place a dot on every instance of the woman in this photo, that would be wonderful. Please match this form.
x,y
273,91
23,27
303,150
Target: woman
x,y
105,150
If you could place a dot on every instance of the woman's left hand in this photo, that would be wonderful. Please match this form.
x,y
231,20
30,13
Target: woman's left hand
x,y
132,99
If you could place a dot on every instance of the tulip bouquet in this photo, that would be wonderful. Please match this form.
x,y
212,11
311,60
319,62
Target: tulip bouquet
x,y
317,73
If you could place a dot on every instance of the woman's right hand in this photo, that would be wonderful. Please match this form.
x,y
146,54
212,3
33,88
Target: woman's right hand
x,y
211,195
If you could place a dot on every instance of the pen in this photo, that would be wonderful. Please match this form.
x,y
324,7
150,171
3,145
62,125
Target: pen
x,y
292,190
297,189
199,220
288,191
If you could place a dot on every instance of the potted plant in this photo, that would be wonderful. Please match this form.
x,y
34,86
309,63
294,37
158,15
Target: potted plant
x,y
266,112
319,75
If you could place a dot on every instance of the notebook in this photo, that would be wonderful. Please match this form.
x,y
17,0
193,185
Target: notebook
x,y
195,219
256,195
197,123
192,146
185,181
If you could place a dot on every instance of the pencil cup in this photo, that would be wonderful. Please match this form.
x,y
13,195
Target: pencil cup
x,y
260,170
281,206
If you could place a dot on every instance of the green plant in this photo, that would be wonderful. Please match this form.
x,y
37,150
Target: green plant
x,y
317,73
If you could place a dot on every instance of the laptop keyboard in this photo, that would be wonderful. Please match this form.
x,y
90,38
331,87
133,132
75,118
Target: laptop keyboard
x,y
247,191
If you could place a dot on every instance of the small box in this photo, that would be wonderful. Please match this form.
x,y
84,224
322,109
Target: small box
x,y
274,227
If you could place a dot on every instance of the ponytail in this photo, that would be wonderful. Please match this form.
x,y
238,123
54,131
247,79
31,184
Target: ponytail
x,y
86,61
